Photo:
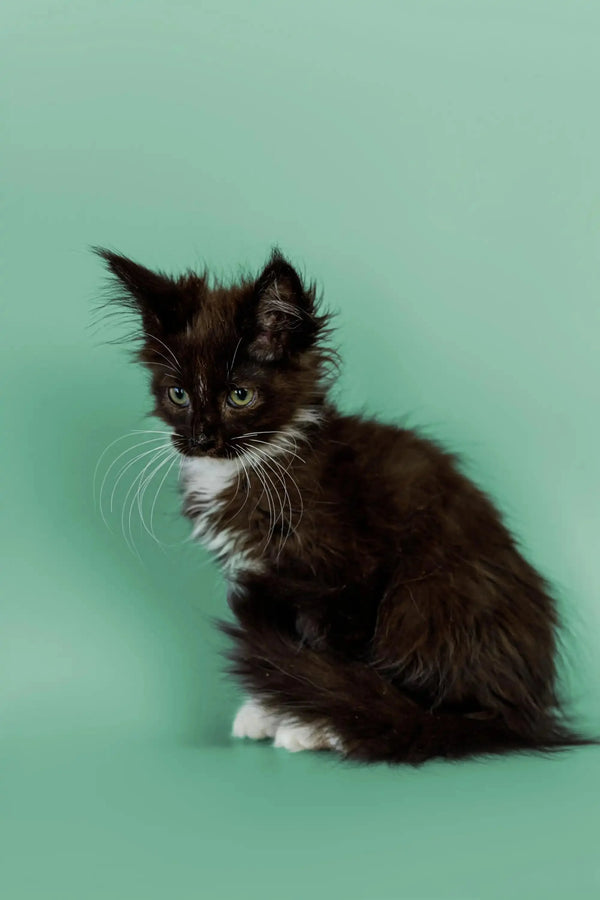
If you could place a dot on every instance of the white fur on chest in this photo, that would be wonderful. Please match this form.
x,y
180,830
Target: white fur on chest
x,y
205,479
208,476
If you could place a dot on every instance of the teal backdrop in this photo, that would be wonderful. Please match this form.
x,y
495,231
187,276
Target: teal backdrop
x,y
435,165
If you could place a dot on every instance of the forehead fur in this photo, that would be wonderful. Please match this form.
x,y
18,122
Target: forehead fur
x,y
219,317
271,320
204,348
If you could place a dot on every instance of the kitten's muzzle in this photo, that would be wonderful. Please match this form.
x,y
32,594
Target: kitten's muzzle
x,y
201,441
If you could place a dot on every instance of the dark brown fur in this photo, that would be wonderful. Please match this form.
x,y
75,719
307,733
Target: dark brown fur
x,y
393,605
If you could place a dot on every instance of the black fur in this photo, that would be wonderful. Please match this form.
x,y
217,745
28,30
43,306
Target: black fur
x,y
383,599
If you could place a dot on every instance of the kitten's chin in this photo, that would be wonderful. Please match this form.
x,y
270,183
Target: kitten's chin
x,y
202,454
204,471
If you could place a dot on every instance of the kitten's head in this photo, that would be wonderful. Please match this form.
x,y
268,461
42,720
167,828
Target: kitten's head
x,y
229,364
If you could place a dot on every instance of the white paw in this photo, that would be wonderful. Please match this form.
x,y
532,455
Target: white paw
x,y
294,737
254,721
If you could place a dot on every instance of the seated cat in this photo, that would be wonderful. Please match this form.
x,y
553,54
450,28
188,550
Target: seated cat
x,y
382,609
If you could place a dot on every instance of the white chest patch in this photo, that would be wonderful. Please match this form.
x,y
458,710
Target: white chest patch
x,y
208,476
204,481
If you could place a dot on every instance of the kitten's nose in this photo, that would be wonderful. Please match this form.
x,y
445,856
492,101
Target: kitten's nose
x,y
201,441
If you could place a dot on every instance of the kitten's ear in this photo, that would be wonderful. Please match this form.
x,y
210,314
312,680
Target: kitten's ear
x,y
158,298
284,320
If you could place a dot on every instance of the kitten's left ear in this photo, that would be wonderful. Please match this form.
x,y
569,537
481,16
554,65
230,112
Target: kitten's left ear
x,y
284,313
164,303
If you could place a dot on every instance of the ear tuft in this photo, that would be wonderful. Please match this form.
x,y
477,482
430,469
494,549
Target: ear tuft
x,y
162,302
283,318
139,281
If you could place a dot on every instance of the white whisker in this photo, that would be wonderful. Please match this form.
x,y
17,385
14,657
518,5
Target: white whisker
x,y
113,464
127,466
239,457
141,493
164,478
287,475
271,504
268,478
170,370
232,364
135,486
121,437
272,461
167,348
275,447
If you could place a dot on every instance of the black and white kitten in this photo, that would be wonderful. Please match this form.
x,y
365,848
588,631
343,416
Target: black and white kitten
x,y
382,608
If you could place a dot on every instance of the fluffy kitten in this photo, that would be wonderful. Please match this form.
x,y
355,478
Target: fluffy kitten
x,y
382,607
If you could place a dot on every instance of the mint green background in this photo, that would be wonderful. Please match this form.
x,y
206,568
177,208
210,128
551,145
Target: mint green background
x,y
436,166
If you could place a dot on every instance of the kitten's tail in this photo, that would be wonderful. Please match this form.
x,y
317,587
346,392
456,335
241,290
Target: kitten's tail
x,y
372,718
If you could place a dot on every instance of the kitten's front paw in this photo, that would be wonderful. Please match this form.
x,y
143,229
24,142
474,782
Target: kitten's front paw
x,y
294,737
254,721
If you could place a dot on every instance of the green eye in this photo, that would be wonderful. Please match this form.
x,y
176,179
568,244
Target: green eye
x,y
178,396
239,397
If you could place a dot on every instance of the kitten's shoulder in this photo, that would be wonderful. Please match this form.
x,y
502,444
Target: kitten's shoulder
x,y
375,453
371,437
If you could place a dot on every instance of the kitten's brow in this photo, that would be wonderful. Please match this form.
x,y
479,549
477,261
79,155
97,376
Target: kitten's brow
x,y
232,363
167,348
202,387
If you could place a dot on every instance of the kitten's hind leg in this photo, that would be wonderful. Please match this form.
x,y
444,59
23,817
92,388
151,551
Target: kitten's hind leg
x,y
255,722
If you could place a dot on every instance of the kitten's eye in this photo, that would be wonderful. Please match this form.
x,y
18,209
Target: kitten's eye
x,y
239,397
178,396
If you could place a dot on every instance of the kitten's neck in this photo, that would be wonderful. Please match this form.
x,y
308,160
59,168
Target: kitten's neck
x,y
248,508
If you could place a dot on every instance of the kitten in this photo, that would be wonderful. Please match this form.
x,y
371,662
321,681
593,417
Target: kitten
x,y
383,610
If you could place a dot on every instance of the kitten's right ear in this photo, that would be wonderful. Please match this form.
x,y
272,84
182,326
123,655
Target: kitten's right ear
x,y
156,296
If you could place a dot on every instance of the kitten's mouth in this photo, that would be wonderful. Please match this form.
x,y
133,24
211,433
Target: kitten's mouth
x,y
200,454
197,446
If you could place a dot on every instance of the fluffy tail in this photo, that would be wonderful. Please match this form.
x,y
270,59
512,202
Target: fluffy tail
x,y
372,718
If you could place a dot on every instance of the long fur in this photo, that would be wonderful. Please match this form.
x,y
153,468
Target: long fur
x,y
379,596
372,718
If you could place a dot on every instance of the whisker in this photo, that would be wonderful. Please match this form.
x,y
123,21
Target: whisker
x,y
237,481
283,436
126,468
121,437
137,481
238,455
170,370
167,359
113,464
141,493
167,348
164,478
283,538
286,470
271,505
283,449
232,364
280,515
252,433
276,471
